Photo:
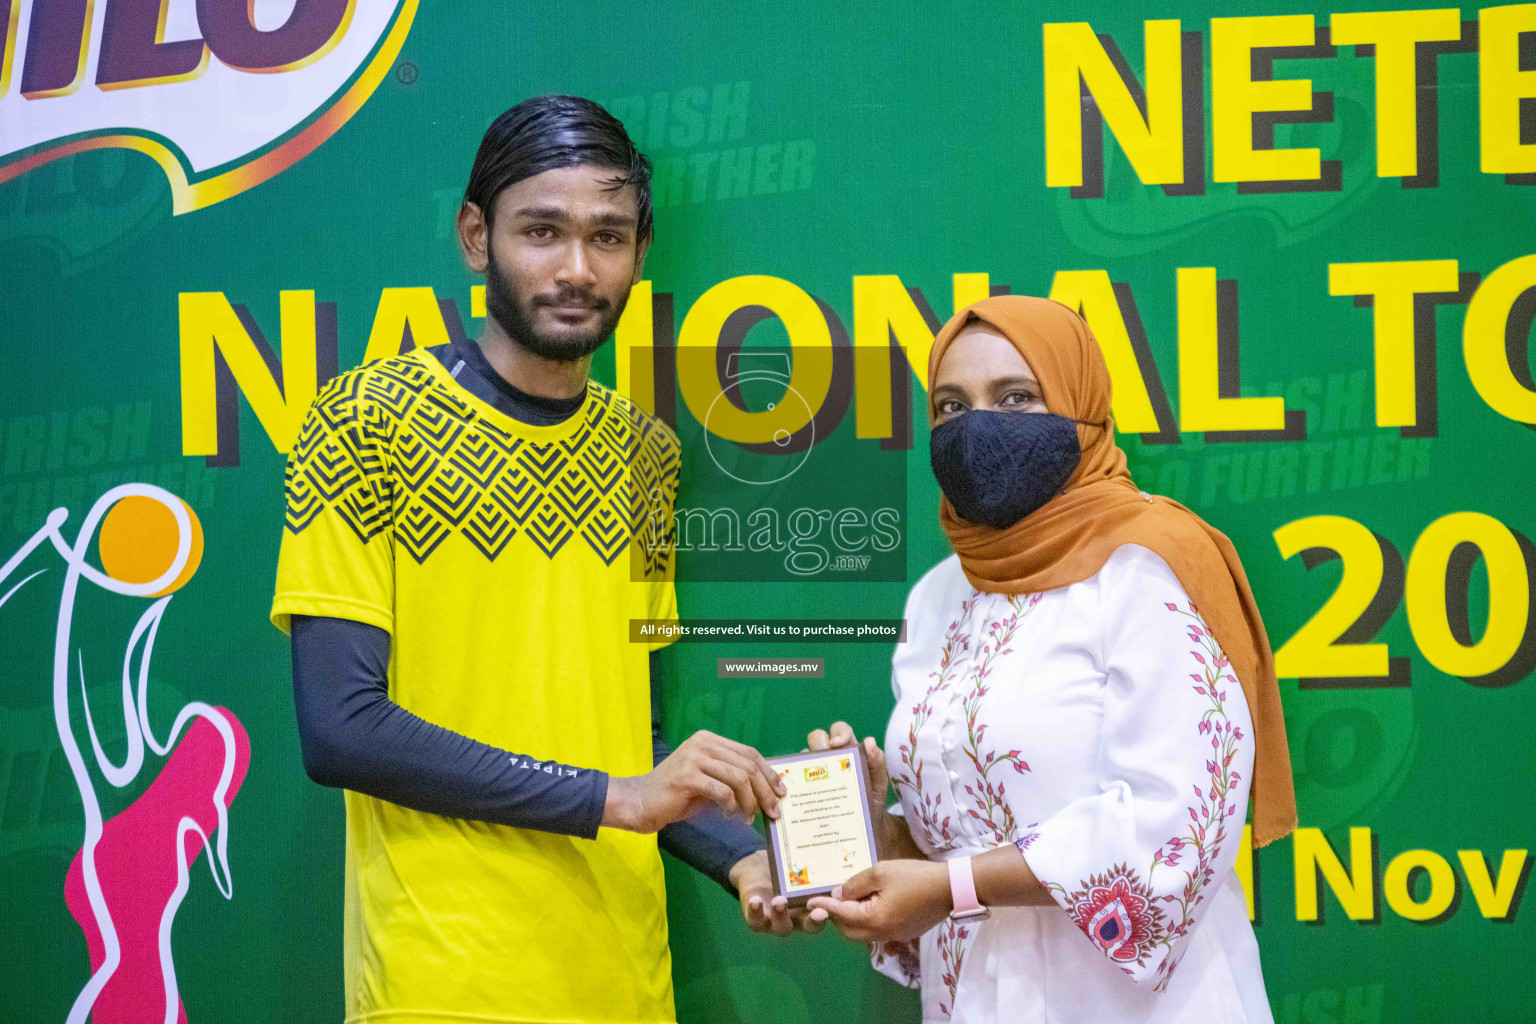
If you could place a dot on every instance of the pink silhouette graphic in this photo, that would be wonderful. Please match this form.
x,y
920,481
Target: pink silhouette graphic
x,y
132,872
138,867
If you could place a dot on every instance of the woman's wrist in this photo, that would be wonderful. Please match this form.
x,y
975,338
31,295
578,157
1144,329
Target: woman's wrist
x,y
893,842
756,860
885,838
1004,879
942,893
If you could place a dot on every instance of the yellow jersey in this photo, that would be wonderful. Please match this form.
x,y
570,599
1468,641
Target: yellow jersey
x,y
504,559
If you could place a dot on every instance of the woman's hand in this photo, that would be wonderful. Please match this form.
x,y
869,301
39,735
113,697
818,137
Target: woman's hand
x,y
894,901
877,778
762,910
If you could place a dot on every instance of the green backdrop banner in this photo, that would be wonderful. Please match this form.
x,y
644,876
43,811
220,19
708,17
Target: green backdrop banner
x,y
1301,236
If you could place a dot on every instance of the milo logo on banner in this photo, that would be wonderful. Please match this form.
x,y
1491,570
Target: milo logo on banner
x,y
222,94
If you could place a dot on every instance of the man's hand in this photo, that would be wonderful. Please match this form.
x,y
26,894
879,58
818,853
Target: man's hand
x,y
763,911
704,770
893,901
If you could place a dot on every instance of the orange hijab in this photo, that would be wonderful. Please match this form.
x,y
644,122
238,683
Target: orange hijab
x,y
1070,537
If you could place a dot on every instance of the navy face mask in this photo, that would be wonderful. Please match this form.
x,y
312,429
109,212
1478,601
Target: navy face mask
x,y
998,467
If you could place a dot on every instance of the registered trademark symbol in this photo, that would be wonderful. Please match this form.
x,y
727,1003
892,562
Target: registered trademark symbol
x,y
406,72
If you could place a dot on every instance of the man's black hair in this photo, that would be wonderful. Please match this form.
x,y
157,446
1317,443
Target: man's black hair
x,y
546,132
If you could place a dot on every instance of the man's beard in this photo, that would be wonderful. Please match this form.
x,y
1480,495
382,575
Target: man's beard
x,y
515,316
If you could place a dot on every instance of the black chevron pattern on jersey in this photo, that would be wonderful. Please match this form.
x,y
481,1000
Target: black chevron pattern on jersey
x,y
391,447
365,511
303,503
419,532
605,532
394,390
334,464
479,460
542,462
548,530
506,443
450,495
488,531
438,425
516,495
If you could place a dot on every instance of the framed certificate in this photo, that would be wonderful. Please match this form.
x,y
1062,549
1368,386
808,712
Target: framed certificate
x,y
823,835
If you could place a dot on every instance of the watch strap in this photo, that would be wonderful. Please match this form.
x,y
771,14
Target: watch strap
x,y
962,889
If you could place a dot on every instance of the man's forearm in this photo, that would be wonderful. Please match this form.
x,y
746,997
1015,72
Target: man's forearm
x,y
711,842
354,737
622,804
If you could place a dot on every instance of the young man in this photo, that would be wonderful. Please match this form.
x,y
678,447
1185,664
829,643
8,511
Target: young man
x,y
469,529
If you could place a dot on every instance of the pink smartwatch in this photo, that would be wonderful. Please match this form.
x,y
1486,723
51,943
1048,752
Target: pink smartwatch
x,y
962,890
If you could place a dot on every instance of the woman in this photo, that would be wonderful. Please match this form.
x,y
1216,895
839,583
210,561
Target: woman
x,y
1084,699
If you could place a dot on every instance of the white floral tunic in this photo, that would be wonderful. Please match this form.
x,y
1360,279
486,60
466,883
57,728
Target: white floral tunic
x,y
1100,729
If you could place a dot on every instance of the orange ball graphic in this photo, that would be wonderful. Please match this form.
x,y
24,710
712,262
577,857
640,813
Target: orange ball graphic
x,y
138,542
